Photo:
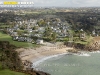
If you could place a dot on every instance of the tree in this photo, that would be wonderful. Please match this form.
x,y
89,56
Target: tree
x,y
9,57
48,32
49,35
53,36
35,28
41,23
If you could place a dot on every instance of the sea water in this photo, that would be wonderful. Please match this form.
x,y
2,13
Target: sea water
x,y
75,64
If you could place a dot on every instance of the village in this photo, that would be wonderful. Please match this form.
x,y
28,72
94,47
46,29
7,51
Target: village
x,y
39,25
26,30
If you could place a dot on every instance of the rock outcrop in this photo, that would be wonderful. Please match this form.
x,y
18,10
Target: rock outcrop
x,y
94,46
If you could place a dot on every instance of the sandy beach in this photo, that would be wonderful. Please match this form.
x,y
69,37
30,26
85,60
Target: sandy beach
x,y
33,54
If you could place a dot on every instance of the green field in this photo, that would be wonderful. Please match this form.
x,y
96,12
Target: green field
x,y
9,72
5,37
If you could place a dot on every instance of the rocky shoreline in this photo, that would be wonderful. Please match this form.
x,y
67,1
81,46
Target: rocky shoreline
x,y
77,49
82,47
28,54
31,55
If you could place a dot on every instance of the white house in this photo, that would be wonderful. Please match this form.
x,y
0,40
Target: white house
x,y
39,41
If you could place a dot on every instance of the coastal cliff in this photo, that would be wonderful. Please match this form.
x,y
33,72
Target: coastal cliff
x,y
9,59
94,45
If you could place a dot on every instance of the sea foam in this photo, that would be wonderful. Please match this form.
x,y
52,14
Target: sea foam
x,y
39,61
84,54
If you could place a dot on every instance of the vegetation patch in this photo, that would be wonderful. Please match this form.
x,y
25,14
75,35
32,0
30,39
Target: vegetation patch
x,y
9,72
6,37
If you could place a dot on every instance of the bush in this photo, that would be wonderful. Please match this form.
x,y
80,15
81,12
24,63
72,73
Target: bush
x,y
9,57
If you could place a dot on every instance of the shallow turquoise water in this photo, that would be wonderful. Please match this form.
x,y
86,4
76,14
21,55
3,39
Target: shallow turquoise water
x,y
72,65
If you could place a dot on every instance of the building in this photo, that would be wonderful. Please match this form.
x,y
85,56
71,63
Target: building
x,y
39,41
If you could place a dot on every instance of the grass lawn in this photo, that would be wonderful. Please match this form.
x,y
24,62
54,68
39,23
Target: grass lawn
x,y
4,26
82,42
87,41
5,37
9,72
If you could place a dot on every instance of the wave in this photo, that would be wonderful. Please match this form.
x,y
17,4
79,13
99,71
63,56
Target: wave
x,y
95,52
39,61
84,54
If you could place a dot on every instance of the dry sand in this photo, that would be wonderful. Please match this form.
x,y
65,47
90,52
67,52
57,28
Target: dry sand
x,y
33,54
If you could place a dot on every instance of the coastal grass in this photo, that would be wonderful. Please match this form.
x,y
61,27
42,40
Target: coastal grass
x,y
6,37
9,72
86,41
82,42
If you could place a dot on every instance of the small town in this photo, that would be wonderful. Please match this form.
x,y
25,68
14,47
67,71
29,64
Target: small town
x,y
47,26
26,30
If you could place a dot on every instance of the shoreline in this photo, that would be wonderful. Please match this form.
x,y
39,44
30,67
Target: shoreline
x,y
39,55
41,60
36,55
32,55
36,63
81,53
